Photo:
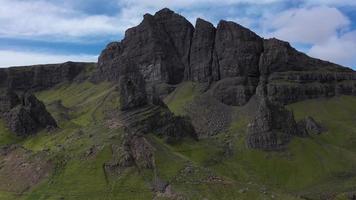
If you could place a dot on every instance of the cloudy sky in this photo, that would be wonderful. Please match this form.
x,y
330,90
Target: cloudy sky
x,y
52,31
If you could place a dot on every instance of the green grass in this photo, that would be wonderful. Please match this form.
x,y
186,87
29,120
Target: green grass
x,y
6,137
308,166
180,97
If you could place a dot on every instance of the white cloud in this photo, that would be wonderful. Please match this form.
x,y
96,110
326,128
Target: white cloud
x,y
185,3
331,2
306,25
326,29
38,18
337,49
23,58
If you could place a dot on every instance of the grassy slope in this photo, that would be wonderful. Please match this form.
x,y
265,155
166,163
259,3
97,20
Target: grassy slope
x,y
310,166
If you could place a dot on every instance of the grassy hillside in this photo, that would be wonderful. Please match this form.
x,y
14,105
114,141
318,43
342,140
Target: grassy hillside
x,y
218,167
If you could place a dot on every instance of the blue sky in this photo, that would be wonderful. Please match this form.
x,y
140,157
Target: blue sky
x,y
51,31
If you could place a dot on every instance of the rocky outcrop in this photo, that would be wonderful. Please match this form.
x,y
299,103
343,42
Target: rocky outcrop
x,y
272,126
201,52
309,126
40,76
132,91
238,50
28,116
137,151
142,113
8,100
159,46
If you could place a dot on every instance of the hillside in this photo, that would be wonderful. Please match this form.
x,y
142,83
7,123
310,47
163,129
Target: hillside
x,y
175,111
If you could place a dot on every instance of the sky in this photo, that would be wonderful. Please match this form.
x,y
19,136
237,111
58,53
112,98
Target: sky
x,y
54,31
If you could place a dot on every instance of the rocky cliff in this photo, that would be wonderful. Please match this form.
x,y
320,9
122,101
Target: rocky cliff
x,y
232,59
143,113
40,76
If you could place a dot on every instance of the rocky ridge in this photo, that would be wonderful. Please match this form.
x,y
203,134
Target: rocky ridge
x,y
167,49
40,77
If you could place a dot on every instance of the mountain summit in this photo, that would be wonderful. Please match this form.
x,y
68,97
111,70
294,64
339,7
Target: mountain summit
x,y
176,111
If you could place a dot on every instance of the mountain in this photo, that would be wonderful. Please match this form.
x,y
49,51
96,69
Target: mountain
x,y
176,111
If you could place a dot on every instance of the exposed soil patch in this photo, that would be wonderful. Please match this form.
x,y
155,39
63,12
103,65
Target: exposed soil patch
x,y
21,169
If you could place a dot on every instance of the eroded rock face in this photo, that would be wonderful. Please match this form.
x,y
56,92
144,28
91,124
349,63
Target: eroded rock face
x,y
144,113
272,127
238,50
201,52
40,76
28,116
159,46
132,91
139,152
8,100
289,87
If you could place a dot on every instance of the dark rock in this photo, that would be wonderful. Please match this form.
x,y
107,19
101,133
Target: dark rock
x,y
29,116
237,53
144,113
279,56
309,126
179,30
132,91
289,87
159,46
38,111
201,52
20,122
8,100
238,50
233,91
106,67
40,76
141,151
272,127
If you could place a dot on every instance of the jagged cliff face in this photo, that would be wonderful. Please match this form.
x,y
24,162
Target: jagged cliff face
x,y
168,49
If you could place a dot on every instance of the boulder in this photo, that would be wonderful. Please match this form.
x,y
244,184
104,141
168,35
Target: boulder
x,y
309,126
